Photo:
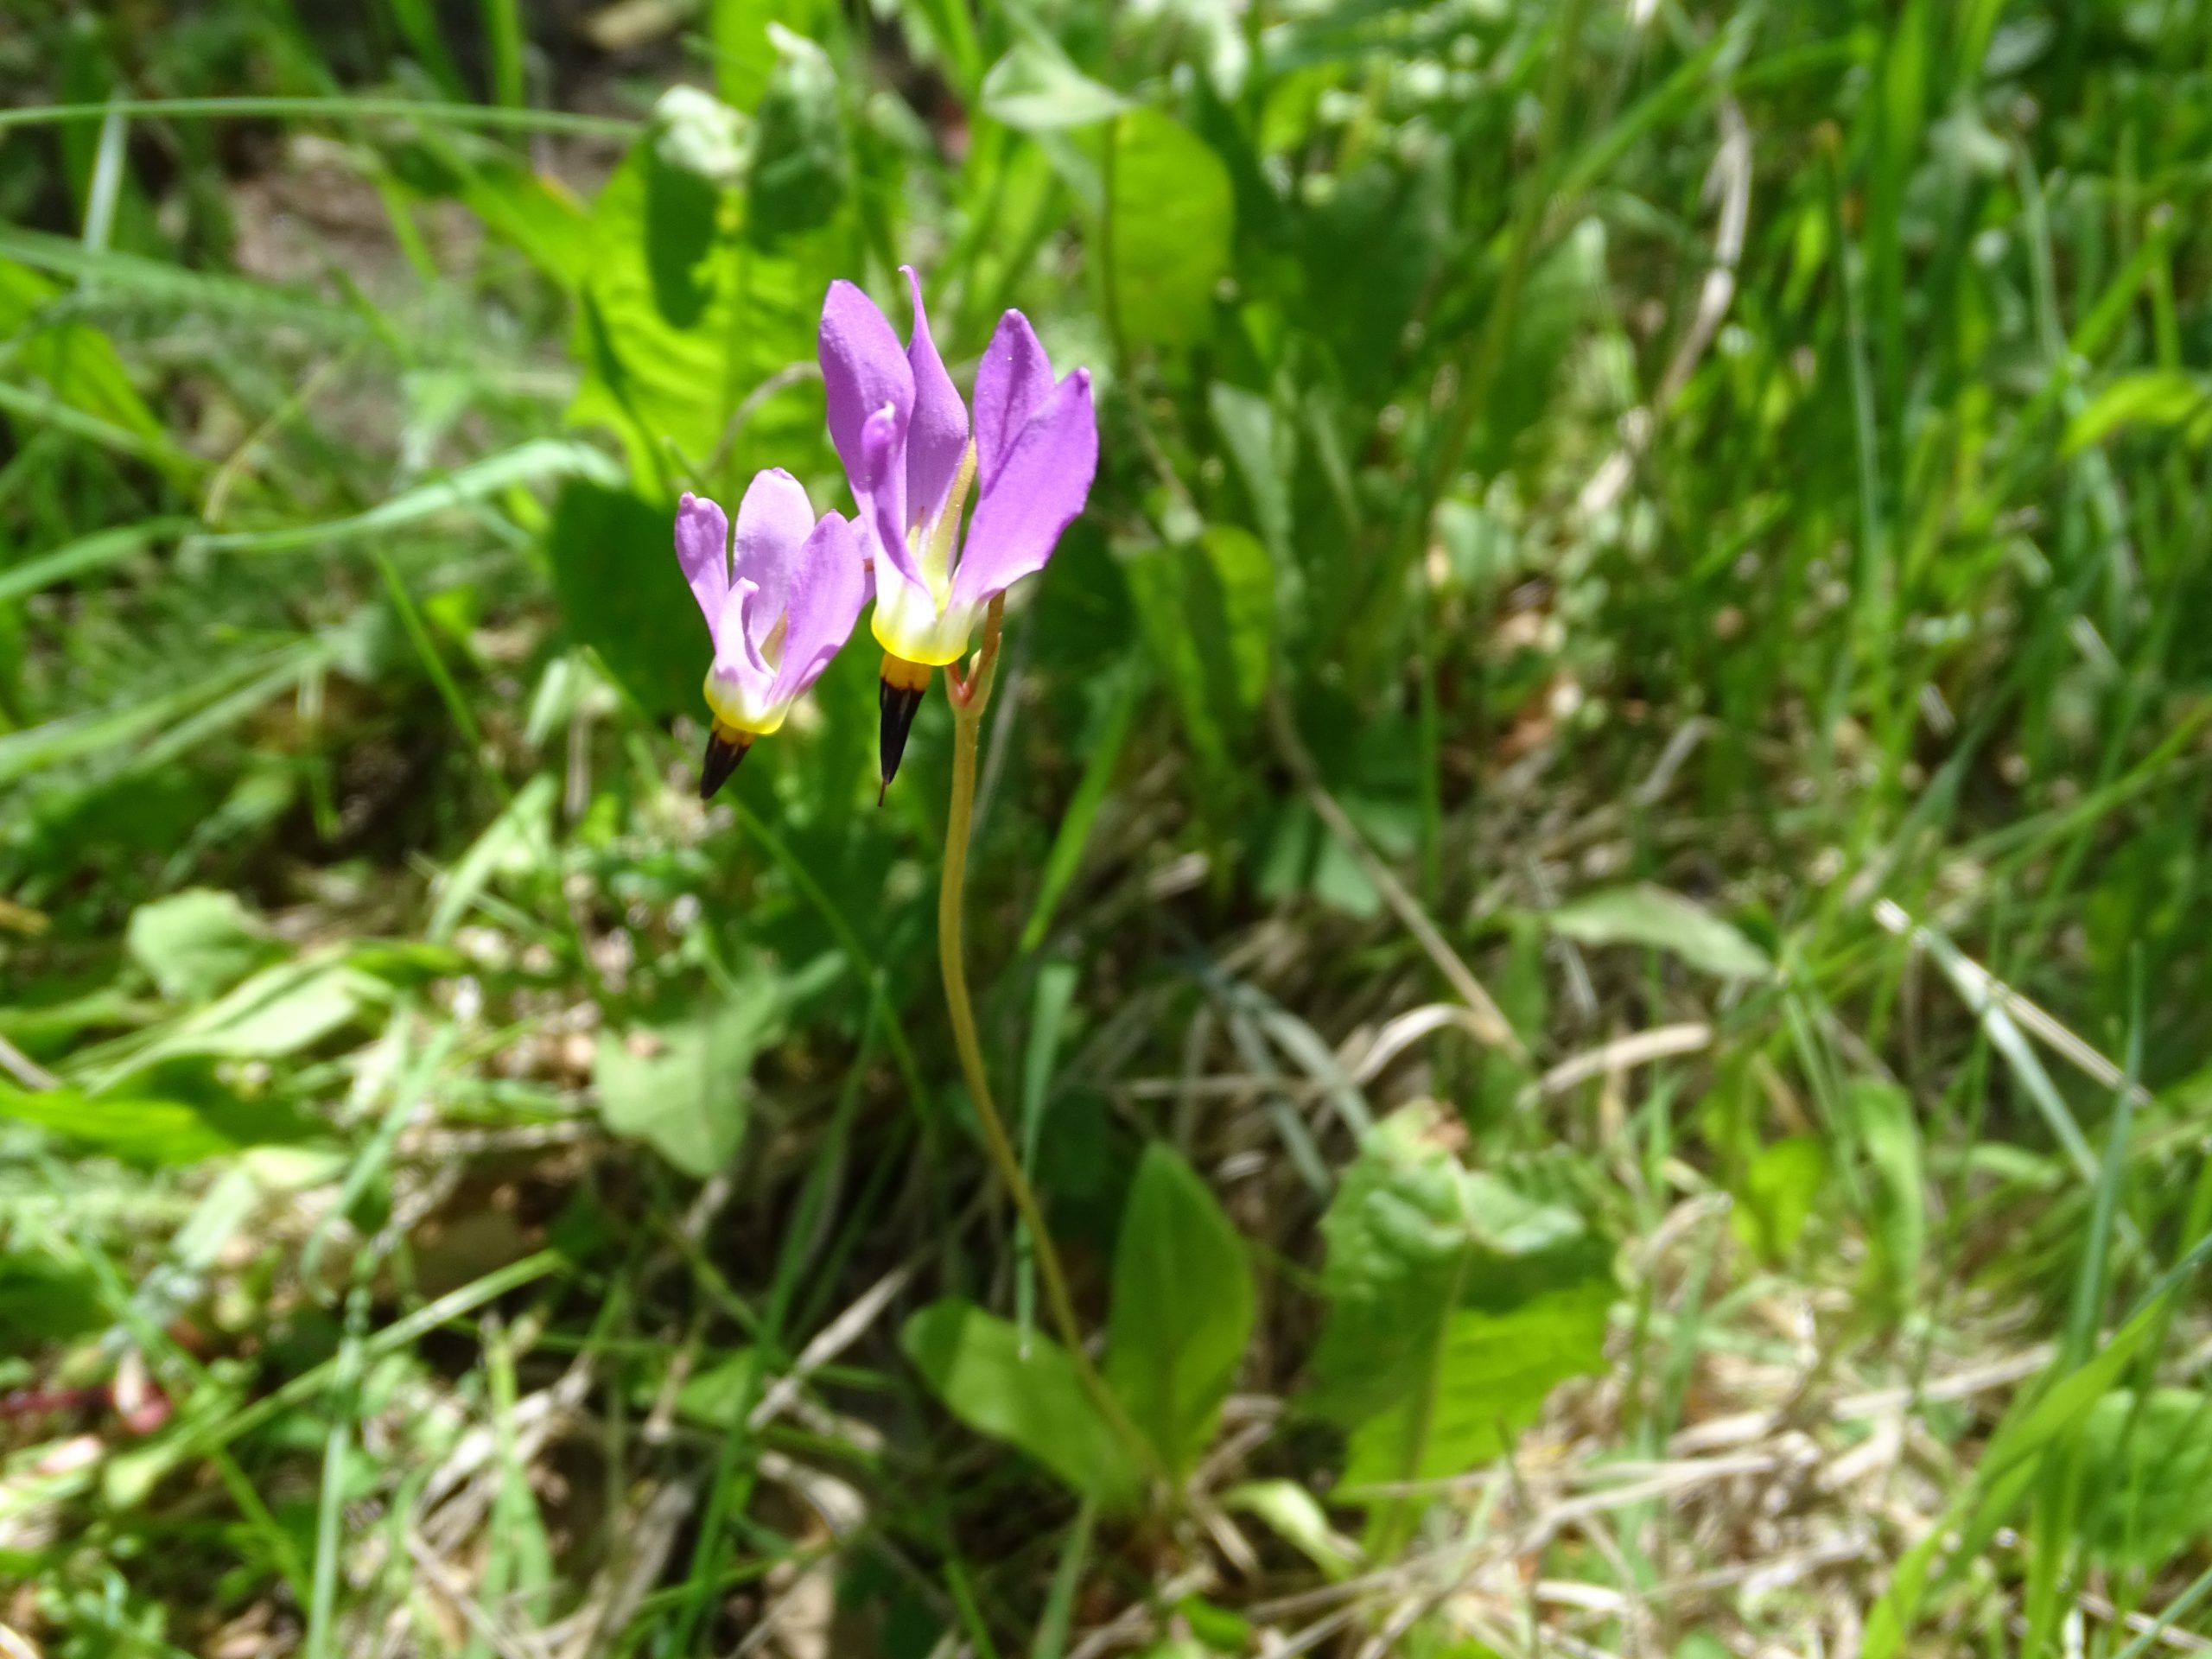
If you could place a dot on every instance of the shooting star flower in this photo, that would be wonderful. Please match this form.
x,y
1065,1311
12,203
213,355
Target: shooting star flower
x,y
911,458
777,612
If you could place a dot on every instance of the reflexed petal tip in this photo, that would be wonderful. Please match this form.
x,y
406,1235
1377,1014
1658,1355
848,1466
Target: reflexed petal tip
x,y
1012,382
878,489
863,369
773,522
702,550
1041,484
937,434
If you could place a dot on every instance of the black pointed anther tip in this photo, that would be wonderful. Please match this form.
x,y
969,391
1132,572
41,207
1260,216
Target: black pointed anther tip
x,y
722,758
899,707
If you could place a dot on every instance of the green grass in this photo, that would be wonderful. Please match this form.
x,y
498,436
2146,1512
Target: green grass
x,y
1618,767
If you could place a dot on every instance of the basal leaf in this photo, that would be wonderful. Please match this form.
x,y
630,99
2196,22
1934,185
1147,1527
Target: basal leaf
x,y
196,943
1172,213
1455,1303
1207,610
1035,88
799,149
1182,1310
277,1011
1780,1184
654,324
1025,1395
164,1117
684,1085
622,594
1495,1371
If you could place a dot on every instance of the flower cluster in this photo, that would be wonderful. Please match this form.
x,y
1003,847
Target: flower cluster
x,y
786,596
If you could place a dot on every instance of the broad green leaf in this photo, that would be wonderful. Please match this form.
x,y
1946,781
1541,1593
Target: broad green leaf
x,y
745,51
2157,398
799,148
2149,1492
1372,248
157,1120
1494,1372
653,330
1034,88
615,574
1781,1185
1182,1309
1660,920
534,213
684,1085
1455,1303
716,1394
682,321
78,363
197,943
277,1011
1207,610
1172,215
1565,290
1025,1395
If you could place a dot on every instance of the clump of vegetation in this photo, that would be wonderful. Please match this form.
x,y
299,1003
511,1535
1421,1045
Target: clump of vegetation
x,y
1583,1013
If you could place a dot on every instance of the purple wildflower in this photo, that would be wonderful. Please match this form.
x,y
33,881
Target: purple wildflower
x,y
912,457
778,613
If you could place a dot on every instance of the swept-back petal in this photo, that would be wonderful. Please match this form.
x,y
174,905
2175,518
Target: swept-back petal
x,y
703,549
829,586
1041,485
737,651
879,488
937,433
773,522
741,684
863,369
1012,382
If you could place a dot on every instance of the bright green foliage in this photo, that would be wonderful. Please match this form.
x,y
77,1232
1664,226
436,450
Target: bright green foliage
x,y
1022,1389
1171,213
1182,1311
177,1116
639,629
2149,1458
1782,1188
1716,492
1207,610
1455,1303
197,943
681,1084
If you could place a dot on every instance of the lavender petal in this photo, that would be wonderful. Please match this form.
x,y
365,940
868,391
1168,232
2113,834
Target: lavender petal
x,y
1040,487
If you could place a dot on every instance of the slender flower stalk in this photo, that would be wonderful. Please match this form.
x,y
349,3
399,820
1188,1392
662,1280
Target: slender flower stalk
x,y
969,698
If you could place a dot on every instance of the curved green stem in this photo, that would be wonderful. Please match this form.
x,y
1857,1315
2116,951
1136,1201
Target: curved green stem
x,y
969,697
